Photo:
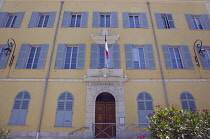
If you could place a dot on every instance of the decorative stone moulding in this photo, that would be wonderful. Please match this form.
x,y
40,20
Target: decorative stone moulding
x,y
100,37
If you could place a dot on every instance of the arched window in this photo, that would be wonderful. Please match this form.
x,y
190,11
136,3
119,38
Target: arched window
x,y
187,101
20,109
64,110
145,107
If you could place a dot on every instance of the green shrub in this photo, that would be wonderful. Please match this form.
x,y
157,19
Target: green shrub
x,y
173,123
4,133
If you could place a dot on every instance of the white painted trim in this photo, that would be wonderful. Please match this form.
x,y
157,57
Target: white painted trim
x,y
130,80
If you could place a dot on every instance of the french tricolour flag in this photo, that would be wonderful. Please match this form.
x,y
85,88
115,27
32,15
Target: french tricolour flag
x,y
106,48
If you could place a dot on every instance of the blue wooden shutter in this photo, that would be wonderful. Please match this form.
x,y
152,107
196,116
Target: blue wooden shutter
x,y
125,17
3,16
43,56
34,19
205,21
3,61
143,20
60,56
116,56
159,20
167,57
114,19
23,56
66,19
203,60
96,19
150,60
94,57
18,19
170,21
84,19
190,21
129,56
51,20
81,56
59,118
187,57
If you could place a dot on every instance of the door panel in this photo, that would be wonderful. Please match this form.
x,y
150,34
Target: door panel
x,y
105,113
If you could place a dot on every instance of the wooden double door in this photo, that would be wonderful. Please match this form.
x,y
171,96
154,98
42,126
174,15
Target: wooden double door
x,y
105,113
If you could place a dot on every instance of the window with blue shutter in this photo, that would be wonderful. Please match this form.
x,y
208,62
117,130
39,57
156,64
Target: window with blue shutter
x,y
135,20
42,19
145,107
3,57
75,19
98,58
205,60
187,101
20,109
70,56
11,20
101,19
164,21
32,56
198,22
64,110
139,56
177,57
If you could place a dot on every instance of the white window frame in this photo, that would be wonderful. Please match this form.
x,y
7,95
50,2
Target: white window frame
x,y
45,15
11,24
105,19
196,19
70,63
181,56
33,46
75,22
138,55
133,15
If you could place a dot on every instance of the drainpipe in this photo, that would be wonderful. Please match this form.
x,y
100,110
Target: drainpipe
x,y
158,53
48,73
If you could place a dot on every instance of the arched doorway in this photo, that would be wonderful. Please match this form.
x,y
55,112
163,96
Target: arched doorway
x,y
105,113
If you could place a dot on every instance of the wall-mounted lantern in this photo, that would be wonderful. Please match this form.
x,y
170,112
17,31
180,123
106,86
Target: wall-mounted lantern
x,y
199,48
8,49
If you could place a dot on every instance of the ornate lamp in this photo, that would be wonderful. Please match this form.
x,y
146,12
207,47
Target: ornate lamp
x,y
198,45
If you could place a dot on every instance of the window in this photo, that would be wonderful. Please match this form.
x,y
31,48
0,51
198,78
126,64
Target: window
x,y
164,21
139,56
70,56
205,61
177,57
11,20
98,59
187,101
3,57
135,20
20,109
105,19
32,56
198,22
42,19
145,107
75,19
64,110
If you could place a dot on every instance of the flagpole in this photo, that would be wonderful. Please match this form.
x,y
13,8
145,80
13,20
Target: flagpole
x,y
106,52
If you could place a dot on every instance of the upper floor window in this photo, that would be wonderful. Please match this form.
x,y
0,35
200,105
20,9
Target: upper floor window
x,y
70,56
139,56
42,19
177,57
205,61
3,57
135,20
187,101
198,22
98,59
32,56
20,109
75,19
104,19
164,21
11,20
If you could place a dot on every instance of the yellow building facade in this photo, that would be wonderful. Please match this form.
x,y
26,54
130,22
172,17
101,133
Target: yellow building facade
x,y
60,83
